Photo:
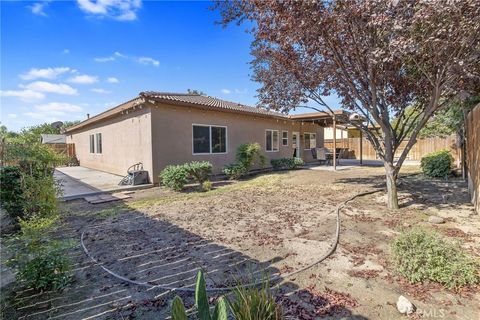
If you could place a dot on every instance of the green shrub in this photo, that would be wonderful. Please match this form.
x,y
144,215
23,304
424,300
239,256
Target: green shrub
x,y
255,304
201,304
207,185
286,163
46,268
11,191
247,155
421,255
437,164
235,171
40,262
199,171
174,177
40,196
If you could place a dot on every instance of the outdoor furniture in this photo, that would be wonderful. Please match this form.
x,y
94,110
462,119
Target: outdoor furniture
x,y
329,155
320,154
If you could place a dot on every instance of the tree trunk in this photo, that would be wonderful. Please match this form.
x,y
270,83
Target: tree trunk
x,y
392,195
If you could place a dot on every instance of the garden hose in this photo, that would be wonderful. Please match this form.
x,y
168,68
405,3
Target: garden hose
x,y
248,285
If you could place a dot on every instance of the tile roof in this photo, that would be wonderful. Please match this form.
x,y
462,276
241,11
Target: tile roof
x,y
206,101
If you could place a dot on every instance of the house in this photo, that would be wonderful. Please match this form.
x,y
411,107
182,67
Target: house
x,y
159,129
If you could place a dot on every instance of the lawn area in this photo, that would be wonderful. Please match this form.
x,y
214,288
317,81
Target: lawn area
x,y
275,223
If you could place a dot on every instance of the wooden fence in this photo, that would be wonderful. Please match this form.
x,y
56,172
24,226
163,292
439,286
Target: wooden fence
x,y
421,148
473,155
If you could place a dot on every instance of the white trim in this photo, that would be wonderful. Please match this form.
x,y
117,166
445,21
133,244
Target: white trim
x,y
96,143
210,138
284,145
278,136
310,133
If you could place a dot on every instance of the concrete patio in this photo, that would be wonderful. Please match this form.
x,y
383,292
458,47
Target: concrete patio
x,y
347,164
80,182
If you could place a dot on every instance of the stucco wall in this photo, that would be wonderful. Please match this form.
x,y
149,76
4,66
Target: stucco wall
x,y
126,140
172,135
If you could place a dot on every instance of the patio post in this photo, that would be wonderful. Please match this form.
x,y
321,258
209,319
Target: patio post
x,y
334,143
361,147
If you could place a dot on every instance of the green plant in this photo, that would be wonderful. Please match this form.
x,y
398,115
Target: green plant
x,y
199,170
201,303
174,177
286,163
207,185
11,191
247,155
421,255
46,268
41,262
234,171
255,304
437,164
40,196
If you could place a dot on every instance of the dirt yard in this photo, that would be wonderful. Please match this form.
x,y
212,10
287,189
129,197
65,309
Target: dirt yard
x,y
272,223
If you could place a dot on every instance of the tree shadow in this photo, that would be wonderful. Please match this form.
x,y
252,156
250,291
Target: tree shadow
x,y
418,190
145,249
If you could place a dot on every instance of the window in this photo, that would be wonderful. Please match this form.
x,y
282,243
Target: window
x,y
284,138
98,137
310,140
209,139
271,140
92,143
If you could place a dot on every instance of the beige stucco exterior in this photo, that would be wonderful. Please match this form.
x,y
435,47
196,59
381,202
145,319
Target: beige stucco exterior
x,y
161,134
126,139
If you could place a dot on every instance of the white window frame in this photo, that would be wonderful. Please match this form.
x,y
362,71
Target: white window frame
x,y
91,143
210,139
310,140
283,139
278,140
96,143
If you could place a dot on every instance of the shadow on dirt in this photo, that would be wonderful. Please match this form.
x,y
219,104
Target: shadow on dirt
x,y
150,250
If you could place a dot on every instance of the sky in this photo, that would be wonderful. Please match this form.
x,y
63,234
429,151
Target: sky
x,y
62,60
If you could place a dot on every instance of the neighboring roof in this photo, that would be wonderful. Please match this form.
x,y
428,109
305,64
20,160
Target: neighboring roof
x,y
53,138
206,101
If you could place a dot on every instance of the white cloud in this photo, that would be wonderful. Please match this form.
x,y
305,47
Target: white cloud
x,y
12,115
148,60
226,91
83,79
46,73
100,90
65,51
113,80
241,91
58,107
123,10
38,8
24,95
142,60
104,59
44,86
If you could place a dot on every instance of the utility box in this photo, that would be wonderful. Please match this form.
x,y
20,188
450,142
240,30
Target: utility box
x,y
139,177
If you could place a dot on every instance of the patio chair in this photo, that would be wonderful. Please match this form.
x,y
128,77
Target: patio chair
x,y
320,154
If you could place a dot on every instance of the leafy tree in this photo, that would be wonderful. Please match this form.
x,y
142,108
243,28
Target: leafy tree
x,y
194,91
446,121
379,57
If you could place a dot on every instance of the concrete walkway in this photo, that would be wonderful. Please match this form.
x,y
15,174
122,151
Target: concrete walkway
x,y
79,182
346,164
